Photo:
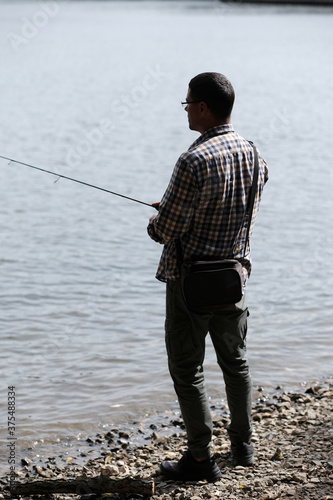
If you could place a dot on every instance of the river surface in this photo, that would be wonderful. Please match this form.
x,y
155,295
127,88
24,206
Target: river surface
x,y
92,90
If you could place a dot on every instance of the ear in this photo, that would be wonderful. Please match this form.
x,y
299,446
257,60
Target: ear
x,y
203,107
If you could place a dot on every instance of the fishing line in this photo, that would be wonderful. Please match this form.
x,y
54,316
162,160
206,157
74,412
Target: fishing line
x,y
75,180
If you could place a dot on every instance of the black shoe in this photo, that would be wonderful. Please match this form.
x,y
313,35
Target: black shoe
x,y
243,453
189,469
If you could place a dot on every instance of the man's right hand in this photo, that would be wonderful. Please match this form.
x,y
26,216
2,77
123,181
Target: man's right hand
x,y
156,205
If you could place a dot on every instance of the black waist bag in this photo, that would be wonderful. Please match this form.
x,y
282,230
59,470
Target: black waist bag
x,y
210,285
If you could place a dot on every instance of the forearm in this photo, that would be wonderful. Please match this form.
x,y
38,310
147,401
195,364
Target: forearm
x,y
176,209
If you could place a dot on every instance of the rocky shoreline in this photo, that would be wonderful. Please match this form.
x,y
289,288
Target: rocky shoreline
x,y
293,437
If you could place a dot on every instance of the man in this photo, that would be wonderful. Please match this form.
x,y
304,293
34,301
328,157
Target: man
x,y
204,208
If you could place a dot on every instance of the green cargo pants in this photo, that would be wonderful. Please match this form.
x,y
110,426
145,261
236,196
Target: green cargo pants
x,y
185,342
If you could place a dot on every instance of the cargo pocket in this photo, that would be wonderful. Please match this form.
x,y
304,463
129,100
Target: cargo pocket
x,y
179,343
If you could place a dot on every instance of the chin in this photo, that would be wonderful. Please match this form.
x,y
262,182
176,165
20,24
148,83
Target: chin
x,y
192,127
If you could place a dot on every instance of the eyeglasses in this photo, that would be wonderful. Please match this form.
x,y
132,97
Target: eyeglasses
x,y
186,103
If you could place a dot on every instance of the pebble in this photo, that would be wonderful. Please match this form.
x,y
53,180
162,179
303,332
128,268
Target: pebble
x,y
111,470
26,461
293,453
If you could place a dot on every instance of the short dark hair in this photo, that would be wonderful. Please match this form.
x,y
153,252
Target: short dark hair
x,y
216,91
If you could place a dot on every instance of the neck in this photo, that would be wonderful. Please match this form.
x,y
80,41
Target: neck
x,y
213,124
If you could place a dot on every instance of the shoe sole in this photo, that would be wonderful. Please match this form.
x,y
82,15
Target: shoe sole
x,y
170,475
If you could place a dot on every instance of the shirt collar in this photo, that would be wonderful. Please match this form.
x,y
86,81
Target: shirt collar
x,y
212,132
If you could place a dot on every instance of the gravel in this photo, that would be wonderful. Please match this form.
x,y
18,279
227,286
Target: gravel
x,y
293,436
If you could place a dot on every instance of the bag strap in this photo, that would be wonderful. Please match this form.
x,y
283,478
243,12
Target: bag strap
x,y
252,194
249,209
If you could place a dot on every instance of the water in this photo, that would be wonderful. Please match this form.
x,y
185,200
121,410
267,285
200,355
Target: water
x,y
92,90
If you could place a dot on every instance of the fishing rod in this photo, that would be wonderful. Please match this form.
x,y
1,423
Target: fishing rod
x,y
76,180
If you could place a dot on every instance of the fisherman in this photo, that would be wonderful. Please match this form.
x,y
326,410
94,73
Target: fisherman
x,y
201,208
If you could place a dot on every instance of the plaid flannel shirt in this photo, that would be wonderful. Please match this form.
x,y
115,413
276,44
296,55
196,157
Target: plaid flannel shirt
x,y
205,203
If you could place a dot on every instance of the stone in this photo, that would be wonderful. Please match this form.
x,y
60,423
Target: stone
x,y
288,463
26,461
